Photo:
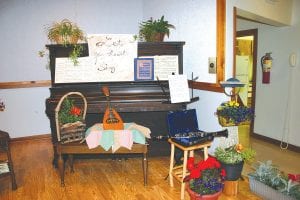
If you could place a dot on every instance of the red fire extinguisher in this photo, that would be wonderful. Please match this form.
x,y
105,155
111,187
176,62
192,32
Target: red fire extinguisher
x,y
266,64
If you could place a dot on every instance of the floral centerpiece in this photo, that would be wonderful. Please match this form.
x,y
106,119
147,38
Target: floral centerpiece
x,y
232,159
271,183
232,113
206,178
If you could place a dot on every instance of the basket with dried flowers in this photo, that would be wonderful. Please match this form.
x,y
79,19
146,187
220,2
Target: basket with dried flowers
x,y
70,119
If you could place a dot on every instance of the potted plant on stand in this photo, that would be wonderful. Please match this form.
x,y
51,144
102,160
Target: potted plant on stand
x,y
232,161
205,181
155,30
231,113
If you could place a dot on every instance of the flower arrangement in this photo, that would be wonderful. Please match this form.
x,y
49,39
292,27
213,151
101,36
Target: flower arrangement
x,y
234,154
269,175
2,105
69,113
206,177
232,113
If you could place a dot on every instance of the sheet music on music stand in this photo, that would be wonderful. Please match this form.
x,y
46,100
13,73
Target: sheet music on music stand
x,y
179,89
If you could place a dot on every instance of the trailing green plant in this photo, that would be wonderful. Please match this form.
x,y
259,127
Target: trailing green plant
x,y
154,30
234,154
75,53
67,33
69,113
270,175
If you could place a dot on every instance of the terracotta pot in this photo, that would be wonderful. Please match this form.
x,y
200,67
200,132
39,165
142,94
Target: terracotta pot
x,y
196,196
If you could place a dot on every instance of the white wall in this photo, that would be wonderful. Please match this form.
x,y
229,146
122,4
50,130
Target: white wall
x,y
272,100
23,34
195,23
271,11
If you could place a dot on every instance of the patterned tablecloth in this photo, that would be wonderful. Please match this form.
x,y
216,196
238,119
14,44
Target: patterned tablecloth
x,y
132,133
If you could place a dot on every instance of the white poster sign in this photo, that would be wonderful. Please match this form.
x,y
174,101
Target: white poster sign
x,y
112,55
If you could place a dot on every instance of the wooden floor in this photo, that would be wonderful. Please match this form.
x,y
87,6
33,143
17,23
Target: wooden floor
x,y
103,179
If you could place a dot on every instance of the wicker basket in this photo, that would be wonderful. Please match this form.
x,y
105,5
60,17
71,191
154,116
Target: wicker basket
x,y
225,122
70,132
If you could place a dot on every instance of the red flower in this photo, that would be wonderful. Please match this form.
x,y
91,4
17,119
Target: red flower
x,y
190,163
223,172
75,111
195,173
294,177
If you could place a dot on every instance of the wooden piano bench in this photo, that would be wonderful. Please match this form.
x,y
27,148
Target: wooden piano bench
x,y
179,172
81,148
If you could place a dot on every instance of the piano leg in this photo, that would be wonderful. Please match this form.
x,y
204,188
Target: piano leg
x,y
145,168
61,168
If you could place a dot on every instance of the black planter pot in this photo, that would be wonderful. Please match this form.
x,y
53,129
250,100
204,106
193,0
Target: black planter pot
x,y
233,171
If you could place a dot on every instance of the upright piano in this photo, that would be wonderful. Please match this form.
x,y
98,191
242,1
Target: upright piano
x,y
143,102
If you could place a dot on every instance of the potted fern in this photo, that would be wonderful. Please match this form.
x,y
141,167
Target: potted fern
x,y
270,183
155,30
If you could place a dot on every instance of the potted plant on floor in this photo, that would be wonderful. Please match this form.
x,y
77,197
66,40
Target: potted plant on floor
x,y
205,180
155,30
270,183
232,159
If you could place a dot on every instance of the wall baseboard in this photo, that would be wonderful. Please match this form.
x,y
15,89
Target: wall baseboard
x,y
276,142
34,137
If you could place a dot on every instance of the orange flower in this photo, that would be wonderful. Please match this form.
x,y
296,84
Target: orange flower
x,y
239,148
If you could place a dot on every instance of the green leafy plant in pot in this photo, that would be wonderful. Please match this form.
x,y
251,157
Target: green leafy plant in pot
x,y
66,33
155,30
232,160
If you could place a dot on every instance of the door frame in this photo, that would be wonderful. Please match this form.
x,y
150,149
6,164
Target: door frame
x,y
254,33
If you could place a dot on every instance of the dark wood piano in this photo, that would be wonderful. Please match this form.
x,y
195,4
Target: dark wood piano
x,y
145,103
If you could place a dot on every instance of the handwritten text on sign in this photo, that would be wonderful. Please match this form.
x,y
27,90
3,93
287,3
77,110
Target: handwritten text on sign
x,y
112,55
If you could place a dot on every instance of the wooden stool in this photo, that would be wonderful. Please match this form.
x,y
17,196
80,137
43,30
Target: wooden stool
x,y
6,165
179,172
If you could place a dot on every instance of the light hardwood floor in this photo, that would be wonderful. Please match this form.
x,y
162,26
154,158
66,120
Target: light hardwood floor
x,y
106,179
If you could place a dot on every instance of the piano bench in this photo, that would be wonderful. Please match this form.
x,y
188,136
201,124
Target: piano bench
x,y
81,148
179,172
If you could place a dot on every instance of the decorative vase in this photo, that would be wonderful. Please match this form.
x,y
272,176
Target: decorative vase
x,y
196,196
233,171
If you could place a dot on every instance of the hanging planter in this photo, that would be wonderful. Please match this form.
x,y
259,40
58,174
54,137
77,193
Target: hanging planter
x,y
232,114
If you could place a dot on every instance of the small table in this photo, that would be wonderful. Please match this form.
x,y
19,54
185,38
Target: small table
x,y
82,148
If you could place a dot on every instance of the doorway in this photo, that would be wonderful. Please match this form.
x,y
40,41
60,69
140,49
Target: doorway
x,y
245,70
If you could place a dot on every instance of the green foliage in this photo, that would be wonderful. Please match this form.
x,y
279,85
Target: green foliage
x,y
234,154
64,32
270,175
151,28
76,52
65,115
